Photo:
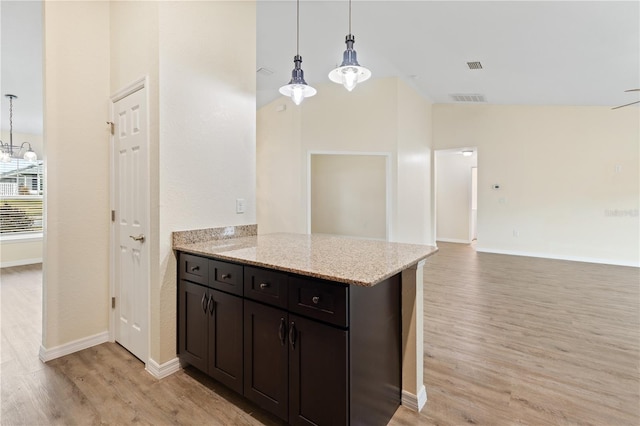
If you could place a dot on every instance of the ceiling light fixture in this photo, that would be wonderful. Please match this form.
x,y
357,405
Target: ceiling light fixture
x,y
350,73
467,153
7,152
297,89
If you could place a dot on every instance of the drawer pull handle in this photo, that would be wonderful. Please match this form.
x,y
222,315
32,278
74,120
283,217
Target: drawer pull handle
x,y
282,334
194,268
292,335
226,276
264,286
204,303
315,299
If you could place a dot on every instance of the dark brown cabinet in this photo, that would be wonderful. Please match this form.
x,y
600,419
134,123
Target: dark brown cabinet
x,y
266,357
210,332
318,373
312,352
295,367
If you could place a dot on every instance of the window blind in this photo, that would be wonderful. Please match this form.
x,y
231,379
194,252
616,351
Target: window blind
x,y
20,214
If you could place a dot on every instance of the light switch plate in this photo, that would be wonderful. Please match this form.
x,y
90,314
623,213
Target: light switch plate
x,y
241,205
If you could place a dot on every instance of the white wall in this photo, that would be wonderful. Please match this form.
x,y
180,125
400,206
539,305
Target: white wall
x,y
381,116
76,238
453,195
557,167
207,129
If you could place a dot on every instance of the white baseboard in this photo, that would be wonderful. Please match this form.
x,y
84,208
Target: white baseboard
x,y
558,257
71,347
413,402
453,240
20,262
160,371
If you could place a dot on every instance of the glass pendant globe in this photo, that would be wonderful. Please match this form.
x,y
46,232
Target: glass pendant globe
x,y
30,156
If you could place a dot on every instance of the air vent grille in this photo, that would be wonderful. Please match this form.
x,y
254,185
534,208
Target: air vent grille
x,y
461,97
474,65
264,71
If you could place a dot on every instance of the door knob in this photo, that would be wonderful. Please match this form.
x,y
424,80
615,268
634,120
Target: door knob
x,y
138,238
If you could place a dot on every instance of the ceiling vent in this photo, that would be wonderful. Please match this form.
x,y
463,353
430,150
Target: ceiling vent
x,y
264,71
474,65
461,97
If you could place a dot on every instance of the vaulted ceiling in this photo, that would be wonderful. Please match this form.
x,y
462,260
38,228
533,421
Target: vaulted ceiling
x,y
532,52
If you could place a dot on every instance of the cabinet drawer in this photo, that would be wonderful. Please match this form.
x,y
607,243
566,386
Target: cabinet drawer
x,y
266,286
225,276
194,268
320,300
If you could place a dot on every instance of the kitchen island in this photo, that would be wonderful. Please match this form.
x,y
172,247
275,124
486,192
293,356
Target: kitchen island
x,y
314,328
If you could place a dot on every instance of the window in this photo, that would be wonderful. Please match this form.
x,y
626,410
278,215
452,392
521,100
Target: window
x,y
21,186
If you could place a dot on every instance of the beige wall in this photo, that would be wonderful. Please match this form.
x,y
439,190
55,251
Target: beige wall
x,y
569,178
381,116
453,195
76,238
349,195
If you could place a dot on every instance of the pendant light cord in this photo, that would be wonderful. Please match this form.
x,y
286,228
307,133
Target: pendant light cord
x,y
11,124
349,16
298,28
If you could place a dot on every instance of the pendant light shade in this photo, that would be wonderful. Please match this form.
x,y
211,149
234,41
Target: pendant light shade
x,y
349,73
297,89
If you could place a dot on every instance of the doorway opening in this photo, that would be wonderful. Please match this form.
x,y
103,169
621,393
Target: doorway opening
x,y
456,195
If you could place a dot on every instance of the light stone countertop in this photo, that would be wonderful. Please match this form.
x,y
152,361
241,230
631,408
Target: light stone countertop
x,y
346,260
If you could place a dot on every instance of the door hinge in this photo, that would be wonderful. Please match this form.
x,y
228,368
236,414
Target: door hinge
x,y
113,215
113,303
112,127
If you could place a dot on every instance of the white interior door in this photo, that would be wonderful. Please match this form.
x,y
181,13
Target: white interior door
x,y
131,227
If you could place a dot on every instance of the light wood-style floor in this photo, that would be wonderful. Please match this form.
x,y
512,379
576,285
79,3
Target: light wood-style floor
x,y
508,340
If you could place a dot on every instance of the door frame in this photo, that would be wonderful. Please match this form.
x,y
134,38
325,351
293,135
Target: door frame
x,y
139,84
388,195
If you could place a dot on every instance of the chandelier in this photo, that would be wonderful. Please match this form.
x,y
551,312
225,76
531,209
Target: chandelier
x,y
7,150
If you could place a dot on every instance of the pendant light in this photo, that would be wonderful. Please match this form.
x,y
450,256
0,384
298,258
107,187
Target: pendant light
x,y
9,151
350,72
297,89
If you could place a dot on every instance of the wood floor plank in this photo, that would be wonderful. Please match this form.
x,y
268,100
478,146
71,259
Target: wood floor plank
x,y
508,341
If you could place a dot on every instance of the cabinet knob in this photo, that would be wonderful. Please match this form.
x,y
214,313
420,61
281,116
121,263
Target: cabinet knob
x,y
226,276
264,286
315,299
194,268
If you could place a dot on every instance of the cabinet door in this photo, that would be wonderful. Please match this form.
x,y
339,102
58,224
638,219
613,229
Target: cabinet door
x,y
193,324
266,357
225,339
318,371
